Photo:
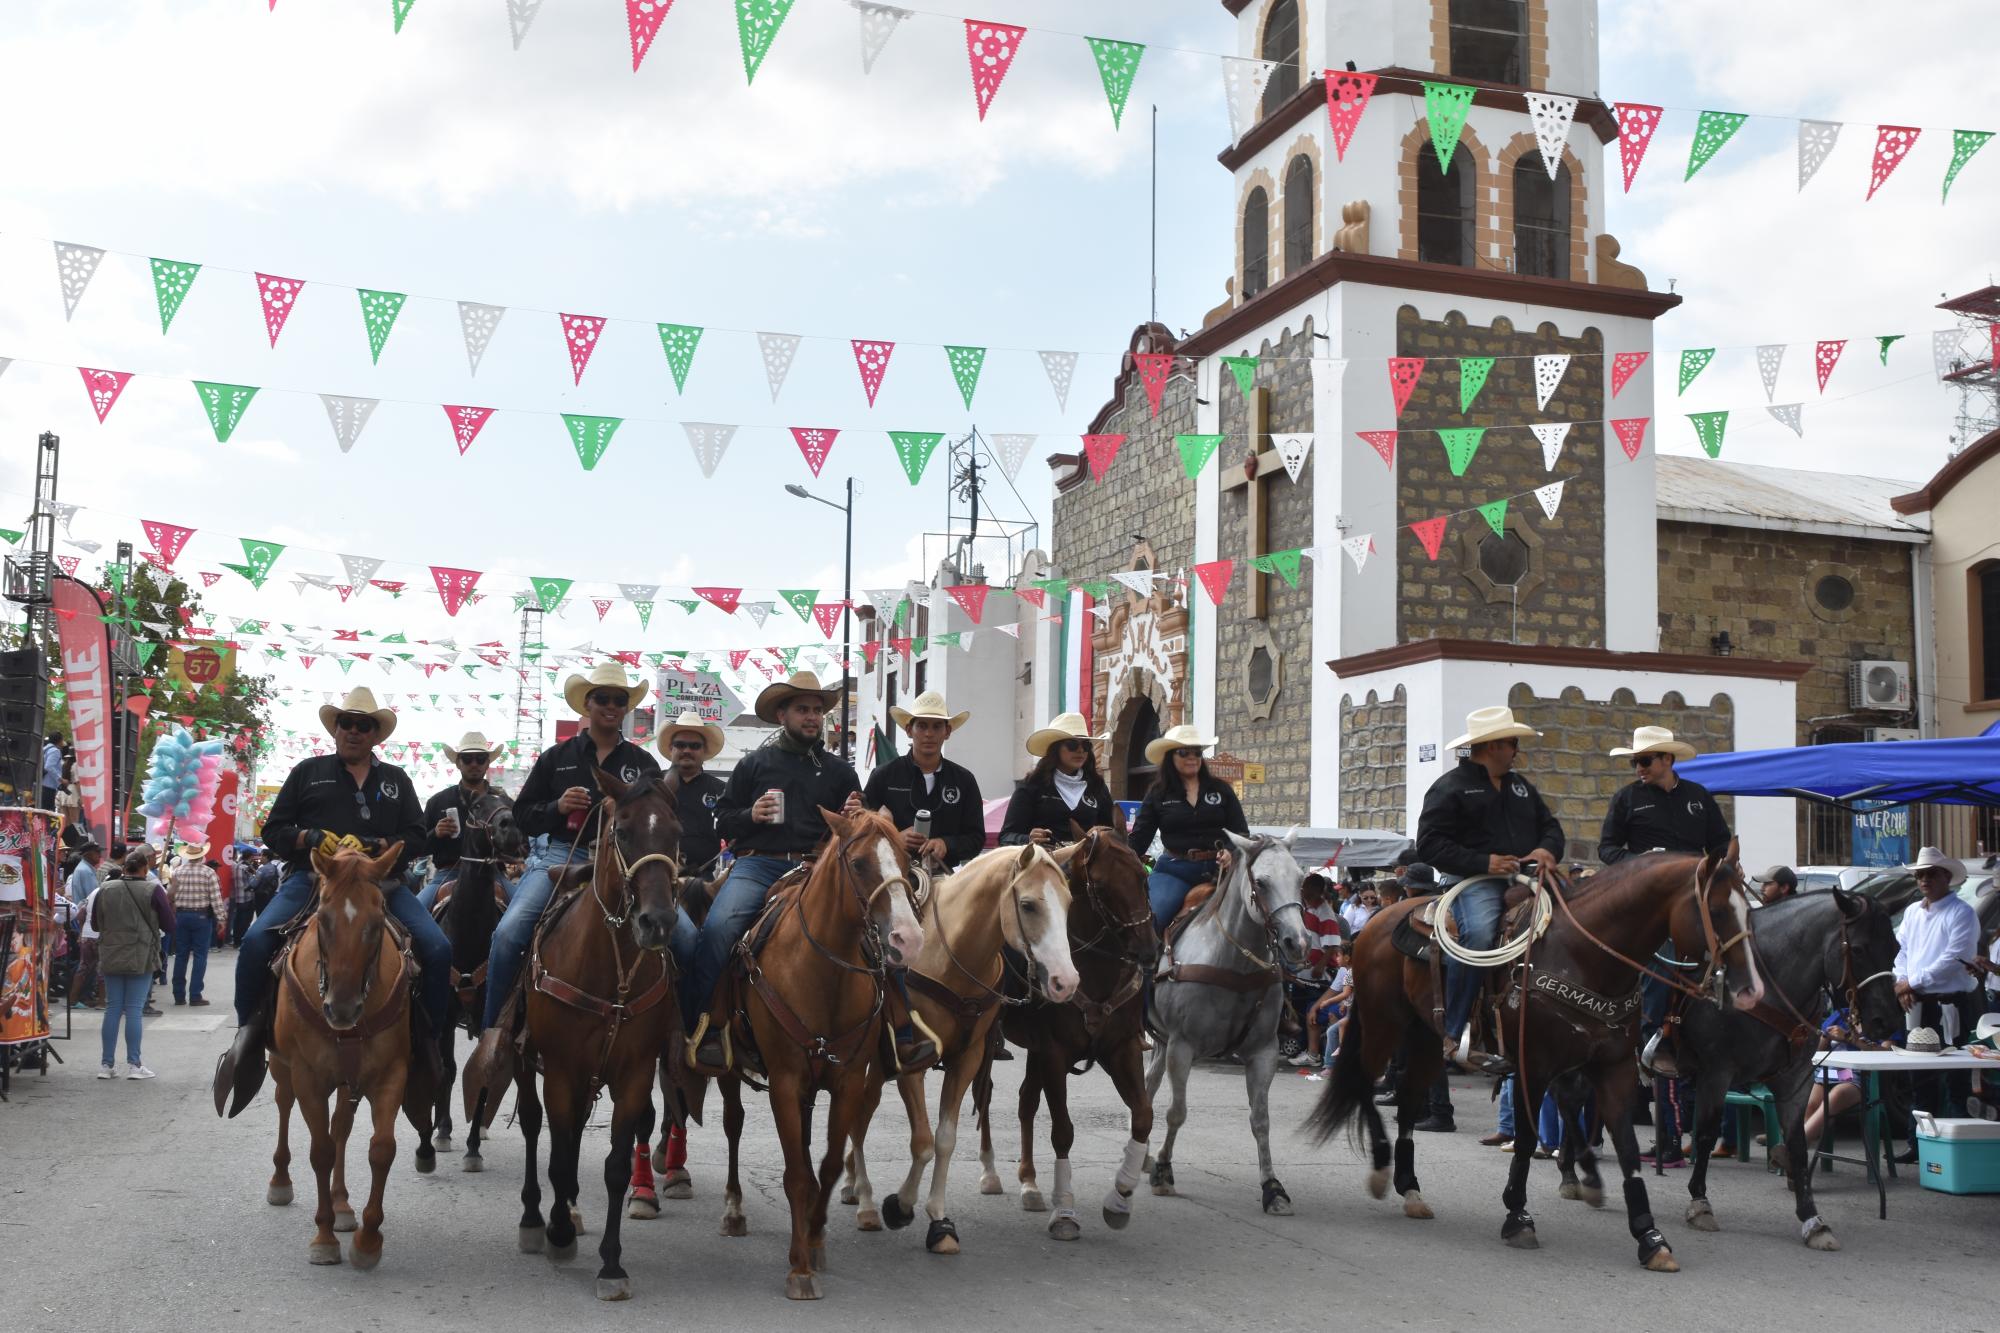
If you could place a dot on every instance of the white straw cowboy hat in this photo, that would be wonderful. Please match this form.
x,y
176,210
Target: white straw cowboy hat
x,y
610,676
472,742
1182,737
194,851
360,699
1491,724
711,735
1061,727
1932,857
930,704
1654,740
778,693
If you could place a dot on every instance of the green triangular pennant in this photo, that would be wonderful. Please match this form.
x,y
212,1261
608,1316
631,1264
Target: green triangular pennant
x,y
1244,368
913,450
1196,450
1117,65
346,664
1495,514
920,646
645,610
687,604
680,340
550,592
591,436
145,651
1460,446
397,637
12,536
1708,429
1098,589
1693,361
787,656
171,280
1057,589
521,601
757,23
801,601
378,312
1472,373
400,9
965,366
225,405
1886,339
1285,564
260,556
1711,132
1445,105
1964,143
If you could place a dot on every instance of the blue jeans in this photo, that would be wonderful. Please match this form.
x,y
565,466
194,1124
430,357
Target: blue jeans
x,y
1505,1103
702,955
1173,878
125,998
439,878
1477,912
192,933
516,931
260,943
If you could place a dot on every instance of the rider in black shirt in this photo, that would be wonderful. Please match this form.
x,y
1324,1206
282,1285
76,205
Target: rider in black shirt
x,y
924,780
1061,790
689,742
1194,812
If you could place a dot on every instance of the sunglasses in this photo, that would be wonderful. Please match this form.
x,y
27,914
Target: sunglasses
x,y
1075,745
608,698
354,722
473,759
1187,754
690,745
1643,760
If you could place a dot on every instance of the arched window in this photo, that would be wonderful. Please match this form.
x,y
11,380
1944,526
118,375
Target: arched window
x,y
1489,40
1985,625
1256,243
1281,46
1446,219
1298,214
1541,218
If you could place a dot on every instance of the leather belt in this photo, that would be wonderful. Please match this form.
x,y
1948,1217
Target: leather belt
x,y
1199,854
797,858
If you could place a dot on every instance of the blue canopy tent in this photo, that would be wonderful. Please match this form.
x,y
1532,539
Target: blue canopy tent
x,y
1960,771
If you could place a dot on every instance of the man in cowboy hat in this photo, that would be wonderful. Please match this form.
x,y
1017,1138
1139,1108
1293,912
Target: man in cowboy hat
x,y
1936,980
561,788
1659,811
691,741
327,799
1481,818
446,813
196,895
925,780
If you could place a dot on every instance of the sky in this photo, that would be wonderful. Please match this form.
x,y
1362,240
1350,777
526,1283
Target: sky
x,y
311,141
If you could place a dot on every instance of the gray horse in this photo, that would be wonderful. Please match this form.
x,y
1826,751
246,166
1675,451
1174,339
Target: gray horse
x,y
1220,991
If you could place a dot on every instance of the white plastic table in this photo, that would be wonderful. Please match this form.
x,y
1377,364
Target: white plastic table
x,y
1871,1065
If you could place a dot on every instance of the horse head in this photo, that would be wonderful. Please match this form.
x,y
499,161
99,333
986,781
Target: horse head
x,y
1861,965
870,856
639,844
1107,877
1714,919
491,832
1038,926
1270,879
350,923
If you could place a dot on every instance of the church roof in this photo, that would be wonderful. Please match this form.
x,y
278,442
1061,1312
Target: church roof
x,y
1702,490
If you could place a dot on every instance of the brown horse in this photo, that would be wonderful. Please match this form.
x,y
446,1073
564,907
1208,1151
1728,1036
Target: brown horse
x,y
344,1035
811,1007
599,1000
1582,1013
1112,940
1013,897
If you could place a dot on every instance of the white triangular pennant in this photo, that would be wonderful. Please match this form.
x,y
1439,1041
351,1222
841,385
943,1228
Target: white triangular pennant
x,y
759,611
1061,367
360,569
1012,631
1292,449
1551,496
1816,138
884,601
347,416
1243,81
1552,113
878,25
1013,451
520,13
478,320
1944,351
321,581
1358,549
710,441
1790,414
5,361
1549,372
778,350
1551,434
64,512
639,592
76,265
1102,612
1138,580
1769,357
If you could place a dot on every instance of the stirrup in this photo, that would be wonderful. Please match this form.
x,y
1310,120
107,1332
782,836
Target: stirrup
x,y
694,1044
1480,1062
1658,1057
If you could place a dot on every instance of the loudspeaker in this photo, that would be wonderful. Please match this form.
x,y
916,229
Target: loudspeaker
x,y
24,697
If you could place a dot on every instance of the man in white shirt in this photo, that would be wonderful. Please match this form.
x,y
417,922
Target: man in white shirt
x,y
1935,978
1360,907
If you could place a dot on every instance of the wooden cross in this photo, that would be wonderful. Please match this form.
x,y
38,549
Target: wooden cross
x,y
1259,464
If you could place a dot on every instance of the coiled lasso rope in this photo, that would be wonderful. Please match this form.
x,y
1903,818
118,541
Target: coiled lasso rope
x,y
1508,950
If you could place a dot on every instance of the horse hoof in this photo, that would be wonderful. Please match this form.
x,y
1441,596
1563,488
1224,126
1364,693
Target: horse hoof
x,y
529,1240
1162,1176
735,1226
323,1254
1117,1219
640,1210
1524,1239
801,1287
343,1220
868,1219
278,1196
1164,1191
990,1184
363,1260
1569,1189
677,1184
1065,1227
1414,1206
1823,1238
895,1214
472,1163
614,1289
942,1237
1592,1196
1662,1261
848,1196
443,1143
561,1254
426,1162
1378,1184
1279,1207
945,1245
1701,1217
1032,1200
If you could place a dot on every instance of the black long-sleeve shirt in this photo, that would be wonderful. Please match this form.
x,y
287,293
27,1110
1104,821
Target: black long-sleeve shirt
x,y
1466,819
1185,828
810,779
446,851
958,816
1646,819
696,803
321,794
574,764
1038,805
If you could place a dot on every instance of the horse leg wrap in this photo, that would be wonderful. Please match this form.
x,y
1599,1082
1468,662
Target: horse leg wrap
x,y
642,1169
1810,1225
677,1148
1129,1173
1063,1197
1406,1166
1639,1212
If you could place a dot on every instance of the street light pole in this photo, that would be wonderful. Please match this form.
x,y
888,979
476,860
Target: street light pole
x,y
846,597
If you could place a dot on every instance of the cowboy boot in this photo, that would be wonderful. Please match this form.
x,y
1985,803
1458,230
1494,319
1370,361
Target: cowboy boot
x,y
239,1071
908,1050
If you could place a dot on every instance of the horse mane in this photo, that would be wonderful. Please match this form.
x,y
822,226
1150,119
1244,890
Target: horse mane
x,y
1614,875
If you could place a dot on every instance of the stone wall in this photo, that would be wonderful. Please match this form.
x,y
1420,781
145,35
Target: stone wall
x,y
1570,764
1561,599
1373,734
1764,588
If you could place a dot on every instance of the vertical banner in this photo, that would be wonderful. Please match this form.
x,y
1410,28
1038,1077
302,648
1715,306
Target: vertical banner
x,y
27,891
1077,664
222,825
86,661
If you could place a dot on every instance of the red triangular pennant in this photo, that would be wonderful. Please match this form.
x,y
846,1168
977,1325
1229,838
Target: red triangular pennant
x,y
1636,123
990,47
103,386
1631,434
1035,597
466,423
1403,373
1624,365
1825,354
581,333
971,597
1346,98
454,586
1100,450
167,538
1431,533
210,578
828,616
1382,442
1892,144
872,360
723,599
279,295
1214,576
603,605
815,442
1154,367
869,649
642,20
736,656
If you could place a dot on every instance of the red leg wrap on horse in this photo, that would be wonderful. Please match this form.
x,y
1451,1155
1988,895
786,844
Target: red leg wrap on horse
x,y
677,1148
642,1169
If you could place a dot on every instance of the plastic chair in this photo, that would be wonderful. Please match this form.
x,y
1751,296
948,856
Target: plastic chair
x,y
1759,1097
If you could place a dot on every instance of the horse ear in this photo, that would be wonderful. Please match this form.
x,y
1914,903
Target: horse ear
x,y
1062,856
1291,837
382,865
322,864
834,822
1026,858
1076,831
609,783
1852,906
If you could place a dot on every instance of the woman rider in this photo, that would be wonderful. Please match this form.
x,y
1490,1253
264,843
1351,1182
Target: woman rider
x,y
1193,812
1063,788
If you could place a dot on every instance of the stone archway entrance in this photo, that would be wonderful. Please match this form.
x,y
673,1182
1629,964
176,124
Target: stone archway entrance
x,y
1131,773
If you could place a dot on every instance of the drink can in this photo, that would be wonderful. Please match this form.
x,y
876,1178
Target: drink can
x,y
778,795
451,822
922,823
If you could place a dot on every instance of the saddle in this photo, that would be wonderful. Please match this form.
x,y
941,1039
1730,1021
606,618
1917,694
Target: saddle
x,y
450,887
732,994
1197,899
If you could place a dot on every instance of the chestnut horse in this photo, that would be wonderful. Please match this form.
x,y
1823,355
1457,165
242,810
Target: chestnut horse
x,y
344,1035
1582,1013
811,1007
1016,897
1112,941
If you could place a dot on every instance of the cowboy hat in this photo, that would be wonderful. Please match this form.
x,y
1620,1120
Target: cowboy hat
x,y
360,699
472,742
781,692
1491,724
1653,740
1931,857
1176,738
609,676
194,851
711,735
930,704
1923,1041
1061,727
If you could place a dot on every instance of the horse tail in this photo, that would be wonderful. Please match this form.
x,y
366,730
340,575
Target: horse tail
x,y
982,1092
1347,1090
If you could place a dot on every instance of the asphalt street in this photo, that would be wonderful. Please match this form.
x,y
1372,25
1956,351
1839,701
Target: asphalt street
x,y
130,1205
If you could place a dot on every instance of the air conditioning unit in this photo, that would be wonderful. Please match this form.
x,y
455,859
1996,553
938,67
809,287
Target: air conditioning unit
x,y
1879,686
1892,733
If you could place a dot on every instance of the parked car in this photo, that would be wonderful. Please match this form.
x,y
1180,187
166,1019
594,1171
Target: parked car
x,y
1831,877
1895,888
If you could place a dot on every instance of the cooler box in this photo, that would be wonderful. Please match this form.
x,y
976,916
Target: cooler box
x,y
1958,1156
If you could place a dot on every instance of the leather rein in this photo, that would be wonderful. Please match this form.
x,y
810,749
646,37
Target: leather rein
x,y
1263,964
1132,975
969,1008
347,1042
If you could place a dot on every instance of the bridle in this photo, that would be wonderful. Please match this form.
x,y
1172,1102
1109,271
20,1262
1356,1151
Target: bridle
x,y
1020,928
1259,913
1107,921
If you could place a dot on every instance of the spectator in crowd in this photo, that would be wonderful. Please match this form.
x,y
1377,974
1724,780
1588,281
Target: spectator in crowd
x,y
1362,905
52,767
1833,1090
1327,1019
1309,982
129,913
264,884
69,805
1389,892
243,903
1419,879
197,902
1935,978
81,885
1779,883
